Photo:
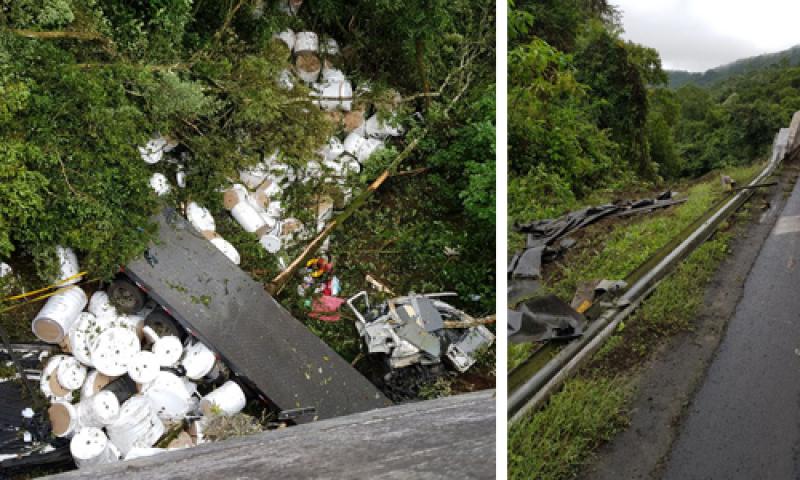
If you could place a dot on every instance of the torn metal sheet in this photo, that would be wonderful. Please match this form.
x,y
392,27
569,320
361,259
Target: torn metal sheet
x,y
544,318
546,239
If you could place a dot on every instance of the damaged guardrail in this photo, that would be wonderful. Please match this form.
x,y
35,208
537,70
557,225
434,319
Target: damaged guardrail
x,y
535,391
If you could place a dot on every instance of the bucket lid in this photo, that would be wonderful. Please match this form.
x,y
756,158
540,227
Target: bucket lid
x,y
144,367
198,361
114,349
106,406
88,443
168,350
271,243
70,373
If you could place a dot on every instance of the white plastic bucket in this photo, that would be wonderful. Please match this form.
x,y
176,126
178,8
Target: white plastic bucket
x,y
71,374
331,74
168,350
332,150
308,67
247,217
180,178
227,249
95,381
382,129
54,320
233,196
200,218
68,265
306,42
84,332
113,350
144,367
90,447
160,184
361,148
170,396
137,425
63,418
100,306
198,360
5,269
153,150
229,399
271,243
253,177
287,37
48,381
336,95
98,410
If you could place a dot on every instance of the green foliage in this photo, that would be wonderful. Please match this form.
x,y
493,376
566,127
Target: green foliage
x,y
679,78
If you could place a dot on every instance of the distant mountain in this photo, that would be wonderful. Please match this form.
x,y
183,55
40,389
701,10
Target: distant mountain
x,y
678,78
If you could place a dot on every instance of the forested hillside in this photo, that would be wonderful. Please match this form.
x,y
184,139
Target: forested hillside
x,y
84,83
678,78
591,112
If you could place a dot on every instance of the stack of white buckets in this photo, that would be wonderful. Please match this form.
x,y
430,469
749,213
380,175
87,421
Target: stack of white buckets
x,y
255,200
100,345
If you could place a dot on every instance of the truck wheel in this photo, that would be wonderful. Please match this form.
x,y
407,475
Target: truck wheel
x,y
163,324
126,296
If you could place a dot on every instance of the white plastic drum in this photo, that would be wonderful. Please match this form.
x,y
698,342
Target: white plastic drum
x,y
153,150
94,383
100,306
226,248
48,381
144,367
306,42
137,425
200,218
330,74
113,351
271,243
336,95
288,38
198,360
170,396
247,217
67,266
332,150
160,184
361,148
228,400
59,313
252,177
98,410
378,128
90,446
168,350
84,332
70,373
63,418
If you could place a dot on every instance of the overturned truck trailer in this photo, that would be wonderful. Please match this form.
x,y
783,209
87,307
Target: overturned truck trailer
x,y
275,354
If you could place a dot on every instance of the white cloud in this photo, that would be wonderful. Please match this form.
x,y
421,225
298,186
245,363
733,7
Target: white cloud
x,y
701,34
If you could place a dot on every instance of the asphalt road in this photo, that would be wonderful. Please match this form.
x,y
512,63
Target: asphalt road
x,y
744,421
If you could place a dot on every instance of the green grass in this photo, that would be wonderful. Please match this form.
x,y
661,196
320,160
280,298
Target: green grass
x,y
615,255
557,440
553,444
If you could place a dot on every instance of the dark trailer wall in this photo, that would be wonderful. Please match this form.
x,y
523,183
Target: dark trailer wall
x,y
254,334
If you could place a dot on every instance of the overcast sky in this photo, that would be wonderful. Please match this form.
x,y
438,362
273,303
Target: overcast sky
x,y
697,35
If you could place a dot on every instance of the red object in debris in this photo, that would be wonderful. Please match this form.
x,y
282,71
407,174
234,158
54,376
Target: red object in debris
x,y
325,308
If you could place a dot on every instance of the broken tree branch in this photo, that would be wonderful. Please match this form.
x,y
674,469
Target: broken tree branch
x,y
471,323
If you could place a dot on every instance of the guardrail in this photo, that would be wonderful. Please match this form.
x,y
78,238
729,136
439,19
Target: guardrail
x,y
548,379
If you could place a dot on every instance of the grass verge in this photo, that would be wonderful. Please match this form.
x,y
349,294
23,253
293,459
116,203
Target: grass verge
x,y
613,249
556,441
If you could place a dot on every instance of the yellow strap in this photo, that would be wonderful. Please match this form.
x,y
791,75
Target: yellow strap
x,y
37,299
584,306
55,285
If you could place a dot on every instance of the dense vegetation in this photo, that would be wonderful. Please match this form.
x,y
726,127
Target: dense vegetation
x,y
591,112
84,82
679,78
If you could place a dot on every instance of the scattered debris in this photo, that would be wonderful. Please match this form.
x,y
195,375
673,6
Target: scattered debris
x,y
544,318
524,269
410,330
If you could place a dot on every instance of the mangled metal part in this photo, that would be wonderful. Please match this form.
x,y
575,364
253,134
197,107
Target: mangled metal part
x,y
411,330
525,267
544,318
